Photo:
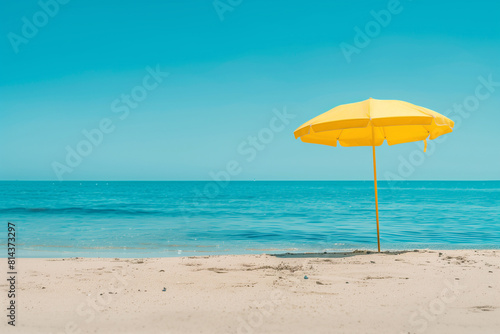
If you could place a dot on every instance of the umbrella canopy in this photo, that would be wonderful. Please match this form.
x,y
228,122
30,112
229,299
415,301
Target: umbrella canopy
x,y
356,124
370,123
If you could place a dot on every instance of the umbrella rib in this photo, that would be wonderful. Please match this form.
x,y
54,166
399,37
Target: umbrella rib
x,y
383,131
340,134
418,109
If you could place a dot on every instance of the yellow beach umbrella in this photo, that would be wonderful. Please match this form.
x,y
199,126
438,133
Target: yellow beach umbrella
x,y
370,123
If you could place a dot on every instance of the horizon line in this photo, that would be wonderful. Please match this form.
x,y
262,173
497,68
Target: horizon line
x,y
368,180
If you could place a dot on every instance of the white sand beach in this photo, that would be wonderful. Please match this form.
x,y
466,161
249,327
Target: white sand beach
x,y
412,292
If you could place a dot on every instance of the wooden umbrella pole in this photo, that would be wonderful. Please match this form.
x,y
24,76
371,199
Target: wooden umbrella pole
x,y
375,180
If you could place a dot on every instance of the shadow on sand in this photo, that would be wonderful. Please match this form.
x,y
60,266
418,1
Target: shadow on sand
x,y
335,255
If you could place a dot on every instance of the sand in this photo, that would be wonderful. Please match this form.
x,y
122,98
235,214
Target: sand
x,y
412,292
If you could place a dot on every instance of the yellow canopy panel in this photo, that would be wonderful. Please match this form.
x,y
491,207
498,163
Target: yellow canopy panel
x,y
392,120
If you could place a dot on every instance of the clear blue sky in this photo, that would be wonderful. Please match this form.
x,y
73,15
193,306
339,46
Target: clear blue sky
x,y
225,79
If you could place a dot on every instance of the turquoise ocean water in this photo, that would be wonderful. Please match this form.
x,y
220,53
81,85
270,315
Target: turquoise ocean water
x,y
150,219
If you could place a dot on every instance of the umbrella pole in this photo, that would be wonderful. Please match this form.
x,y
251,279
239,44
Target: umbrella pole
x,y
375,180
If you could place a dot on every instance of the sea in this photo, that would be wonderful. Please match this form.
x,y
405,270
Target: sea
x,y
198,218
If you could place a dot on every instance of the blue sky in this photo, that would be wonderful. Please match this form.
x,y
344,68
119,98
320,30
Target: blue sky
x,y
227,80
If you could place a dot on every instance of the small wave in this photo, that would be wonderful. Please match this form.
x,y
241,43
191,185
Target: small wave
x,y
79,210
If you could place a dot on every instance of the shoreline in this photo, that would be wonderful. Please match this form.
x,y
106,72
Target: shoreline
x,y
424,291
44,253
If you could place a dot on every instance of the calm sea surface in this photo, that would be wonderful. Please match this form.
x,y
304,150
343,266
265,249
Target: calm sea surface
x,y
146,219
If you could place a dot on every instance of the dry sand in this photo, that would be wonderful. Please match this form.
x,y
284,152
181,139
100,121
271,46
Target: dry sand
x,y
413,292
